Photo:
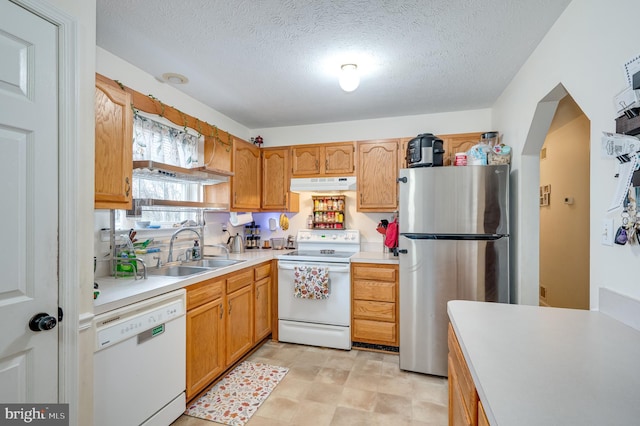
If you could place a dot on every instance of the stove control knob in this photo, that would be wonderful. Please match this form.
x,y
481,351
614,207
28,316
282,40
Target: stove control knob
x,y
335,237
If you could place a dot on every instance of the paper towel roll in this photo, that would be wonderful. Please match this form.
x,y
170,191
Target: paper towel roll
x,y
237,219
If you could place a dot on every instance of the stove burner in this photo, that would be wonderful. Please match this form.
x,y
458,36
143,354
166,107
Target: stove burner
x,y
328,251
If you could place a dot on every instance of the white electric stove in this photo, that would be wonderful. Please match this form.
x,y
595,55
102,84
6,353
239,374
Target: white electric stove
x,y
323,322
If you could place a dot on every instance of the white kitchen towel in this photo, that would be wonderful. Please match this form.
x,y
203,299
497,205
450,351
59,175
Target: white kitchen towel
x,y
311,282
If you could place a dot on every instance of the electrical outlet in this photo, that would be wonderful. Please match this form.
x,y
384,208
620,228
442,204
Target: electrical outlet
x,y
607,232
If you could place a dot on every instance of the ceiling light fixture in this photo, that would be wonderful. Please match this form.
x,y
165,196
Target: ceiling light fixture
x,y
349,78
173,78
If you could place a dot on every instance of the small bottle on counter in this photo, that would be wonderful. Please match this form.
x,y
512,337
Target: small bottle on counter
x,y
195,251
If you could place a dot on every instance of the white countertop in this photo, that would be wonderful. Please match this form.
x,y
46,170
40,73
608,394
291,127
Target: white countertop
x,y
549,366
118,292
374,257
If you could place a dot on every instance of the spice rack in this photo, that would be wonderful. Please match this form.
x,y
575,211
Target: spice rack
x,y
328,211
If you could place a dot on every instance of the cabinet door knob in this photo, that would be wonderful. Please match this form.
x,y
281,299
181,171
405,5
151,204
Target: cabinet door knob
x,y
221,310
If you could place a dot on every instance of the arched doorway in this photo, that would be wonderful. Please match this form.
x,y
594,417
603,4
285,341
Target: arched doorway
x,y
564,209
533,271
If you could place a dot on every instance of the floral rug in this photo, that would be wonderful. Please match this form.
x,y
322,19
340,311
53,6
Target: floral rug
x,y
235,398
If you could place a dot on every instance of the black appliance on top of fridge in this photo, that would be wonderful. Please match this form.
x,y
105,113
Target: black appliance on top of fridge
x,y
453,244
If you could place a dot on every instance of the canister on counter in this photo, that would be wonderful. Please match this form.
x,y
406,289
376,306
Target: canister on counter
x,y
460,159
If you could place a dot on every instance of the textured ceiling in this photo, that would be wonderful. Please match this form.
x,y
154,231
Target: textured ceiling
x,y
269,63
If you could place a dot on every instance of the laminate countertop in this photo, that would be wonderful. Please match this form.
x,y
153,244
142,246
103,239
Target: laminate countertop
x,y
374,257
549,366
118,292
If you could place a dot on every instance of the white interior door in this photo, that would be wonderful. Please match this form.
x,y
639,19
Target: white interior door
x,y
29,193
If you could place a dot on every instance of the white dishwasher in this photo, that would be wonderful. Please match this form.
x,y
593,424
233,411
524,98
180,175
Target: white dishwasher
x,y
140,362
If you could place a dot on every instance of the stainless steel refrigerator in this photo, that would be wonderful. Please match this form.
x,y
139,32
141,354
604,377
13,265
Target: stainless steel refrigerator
x,y
453,244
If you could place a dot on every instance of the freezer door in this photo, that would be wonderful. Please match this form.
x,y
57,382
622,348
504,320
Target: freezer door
x,y
455,200
432,272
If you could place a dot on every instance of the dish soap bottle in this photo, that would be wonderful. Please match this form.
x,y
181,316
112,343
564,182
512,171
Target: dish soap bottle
x,y
195,251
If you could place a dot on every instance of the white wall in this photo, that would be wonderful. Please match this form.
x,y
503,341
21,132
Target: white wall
x,y
115,68
379,128
585,52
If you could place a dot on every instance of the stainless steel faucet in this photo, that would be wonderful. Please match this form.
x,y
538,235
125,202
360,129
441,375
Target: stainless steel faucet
x,y
144,269
175,235
222,246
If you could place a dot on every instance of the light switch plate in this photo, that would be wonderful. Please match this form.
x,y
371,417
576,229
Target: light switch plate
x,y
607,232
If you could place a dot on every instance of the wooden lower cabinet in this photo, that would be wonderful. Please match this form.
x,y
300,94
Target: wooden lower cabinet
x,y
374,303
226,317
262,300
465,407
205,334
239,326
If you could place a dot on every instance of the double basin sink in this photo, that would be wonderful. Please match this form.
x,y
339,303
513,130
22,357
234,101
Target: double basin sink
x,y
192,268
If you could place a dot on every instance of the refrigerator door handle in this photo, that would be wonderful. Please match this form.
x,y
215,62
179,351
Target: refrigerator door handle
x,y
472,237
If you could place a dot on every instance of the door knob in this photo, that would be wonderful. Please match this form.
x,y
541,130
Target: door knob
x,y
42,322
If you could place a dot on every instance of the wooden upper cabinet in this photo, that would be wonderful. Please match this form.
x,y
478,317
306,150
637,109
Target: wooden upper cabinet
x,y
217,151
460,142
113,146
339,159
276,181
246,181
331,159
377,174
402,152
306,160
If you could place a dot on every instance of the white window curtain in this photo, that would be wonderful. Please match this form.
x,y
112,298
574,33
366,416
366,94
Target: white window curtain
x,y
160,142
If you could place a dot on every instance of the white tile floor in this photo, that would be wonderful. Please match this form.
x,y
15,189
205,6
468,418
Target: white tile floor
x,y
330,387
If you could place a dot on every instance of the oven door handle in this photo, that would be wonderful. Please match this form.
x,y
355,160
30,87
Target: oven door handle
x,y
332,266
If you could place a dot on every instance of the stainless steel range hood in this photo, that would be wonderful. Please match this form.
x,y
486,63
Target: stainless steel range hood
x,y
319,184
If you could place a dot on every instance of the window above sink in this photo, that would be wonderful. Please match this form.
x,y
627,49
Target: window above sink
x,y
167,167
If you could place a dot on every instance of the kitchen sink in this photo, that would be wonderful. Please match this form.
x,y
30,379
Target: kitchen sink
x,y
178,270
214,263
